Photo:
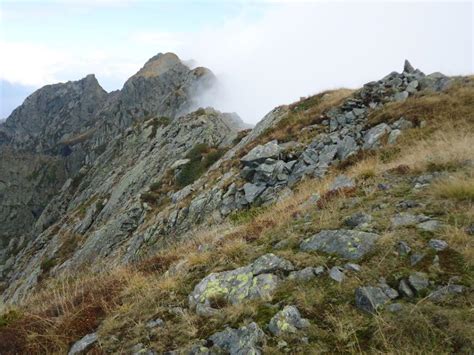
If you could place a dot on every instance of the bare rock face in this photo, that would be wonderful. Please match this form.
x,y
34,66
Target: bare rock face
x,y
52,115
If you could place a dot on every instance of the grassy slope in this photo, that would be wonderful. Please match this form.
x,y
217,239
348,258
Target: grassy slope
x,y
123,301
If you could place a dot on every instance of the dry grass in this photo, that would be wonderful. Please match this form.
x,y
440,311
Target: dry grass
x,y
459,188
157,286
65,311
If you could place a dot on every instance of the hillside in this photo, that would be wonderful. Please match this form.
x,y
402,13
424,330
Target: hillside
x,y
341,223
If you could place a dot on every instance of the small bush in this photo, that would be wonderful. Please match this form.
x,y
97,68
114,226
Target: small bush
x,y
201,158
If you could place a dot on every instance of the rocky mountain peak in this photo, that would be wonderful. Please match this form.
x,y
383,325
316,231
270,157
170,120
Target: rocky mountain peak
x,y
159,64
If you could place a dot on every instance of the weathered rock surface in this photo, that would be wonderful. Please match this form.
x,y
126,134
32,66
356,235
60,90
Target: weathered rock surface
x,y
370,299
349,244
288,320
257,280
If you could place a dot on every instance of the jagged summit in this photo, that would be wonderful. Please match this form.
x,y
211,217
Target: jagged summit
x,y
159,64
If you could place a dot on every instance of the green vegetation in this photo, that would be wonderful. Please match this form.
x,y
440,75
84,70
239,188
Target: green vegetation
x,y
201,158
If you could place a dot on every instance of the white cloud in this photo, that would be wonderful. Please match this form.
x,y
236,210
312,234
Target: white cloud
x,y
293,50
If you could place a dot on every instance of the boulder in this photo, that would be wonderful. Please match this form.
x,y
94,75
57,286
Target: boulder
x,y
261,153
257,280
287,320
244,340
369,298
253,191
418,281
346,148
373,135
429,226
342,182
349,244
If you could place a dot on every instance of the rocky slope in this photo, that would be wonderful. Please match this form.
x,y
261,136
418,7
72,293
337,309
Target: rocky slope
x,y
222,240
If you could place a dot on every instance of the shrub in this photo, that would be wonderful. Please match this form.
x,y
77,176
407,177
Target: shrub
x,y
201,157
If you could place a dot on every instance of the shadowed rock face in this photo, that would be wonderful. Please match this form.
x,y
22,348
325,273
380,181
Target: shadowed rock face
x,y
61,128
52,114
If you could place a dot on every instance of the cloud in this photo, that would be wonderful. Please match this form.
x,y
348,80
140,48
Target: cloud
x,y
287,51
300,49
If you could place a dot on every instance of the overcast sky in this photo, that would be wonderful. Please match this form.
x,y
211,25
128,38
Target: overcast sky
x,y
264,53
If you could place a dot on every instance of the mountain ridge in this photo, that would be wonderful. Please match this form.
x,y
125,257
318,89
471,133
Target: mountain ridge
x,y
202,220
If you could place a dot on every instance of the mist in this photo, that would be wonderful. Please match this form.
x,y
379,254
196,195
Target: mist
x,y
301,49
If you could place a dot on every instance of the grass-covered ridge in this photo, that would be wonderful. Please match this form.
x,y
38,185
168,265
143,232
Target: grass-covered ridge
x,y
126,299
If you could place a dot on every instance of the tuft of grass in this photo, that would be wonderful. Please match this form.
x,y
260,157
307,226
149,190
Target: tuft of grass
x,y
459,188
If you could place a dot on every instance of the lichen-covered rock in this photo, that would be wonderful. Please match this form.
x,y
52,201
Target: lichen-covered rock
x,y
342,182
257,280
287,320
349,244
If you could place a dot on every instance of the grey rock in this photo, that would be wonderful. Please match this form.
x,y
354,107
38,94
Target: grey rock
x,y
269,263
346,148
403,248
342,182
369,298
402,124
249,282
287,320
373,136
418,281
400,96
352,267
416,258
393,136
84,344
395,307
429,226
405,289
244,340
261,153
357,220
305,274
154,323
435,82
404,219
444,291
349,244
252,192
336,274
437,244
407,67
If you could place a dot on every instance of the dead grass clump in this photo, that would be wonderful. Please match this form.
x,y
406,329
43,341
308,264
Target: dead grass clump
x,y
460,188
61,314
